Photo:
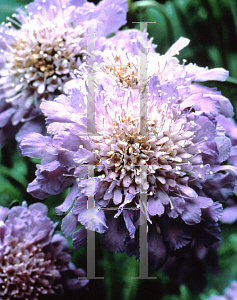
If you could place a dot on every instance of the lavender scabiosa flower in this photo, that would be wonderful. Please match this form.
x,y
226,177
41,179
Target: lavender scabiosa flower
x,y
39,57
122,49
230,293
178,160
34,261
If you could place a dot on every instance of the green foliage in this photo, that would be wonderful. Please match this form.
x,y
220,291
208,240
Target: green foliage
x,y
13,182
8,7
227,260
185,294
210,25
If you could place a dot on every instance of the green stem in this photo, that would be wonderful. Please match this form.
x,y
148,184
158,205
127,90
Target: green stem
x,y
118,272
233,7
232,80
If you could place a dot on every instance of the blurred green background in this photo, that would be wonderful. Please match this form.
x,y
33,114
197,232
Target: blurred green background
x,y
211,25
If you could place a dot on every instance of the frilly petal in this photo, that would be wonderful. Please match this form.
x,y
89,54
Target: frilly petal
x,y
68,201
219,74
177,46
229,215
3,213
69,224
114,237
224,148
34,145
157,251
79,238
176,233
129,223
93,219
219,186
155,207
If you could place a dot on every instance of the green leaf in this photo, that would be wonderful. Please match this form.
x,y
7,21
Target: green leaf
x,y
119,270
232,80
162,30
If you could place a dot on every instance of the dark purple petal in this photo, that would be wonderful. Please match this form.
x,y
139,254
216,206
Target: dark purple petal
x,y
192,213
178,204
132,245
6,115
69,224
114,237
157,251
207,233
127,216
68,201
213,212
175,232
79,238
219,186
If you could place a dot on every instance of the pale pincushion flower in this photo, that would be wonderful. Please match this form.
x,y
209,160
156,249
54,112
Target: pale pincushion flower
x,y
122,49
38,58
34,262
176,157
125,49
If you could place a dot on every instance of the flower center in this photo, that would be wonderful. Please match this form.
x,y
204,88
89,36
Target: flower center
x,y
42,56
122,69
164,149
30,260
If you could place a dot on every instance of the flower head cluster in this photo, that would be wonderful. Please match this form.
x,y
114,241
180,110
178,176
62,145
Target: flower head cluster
x,y
117,62
230,293
33,260
169,146
39,57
